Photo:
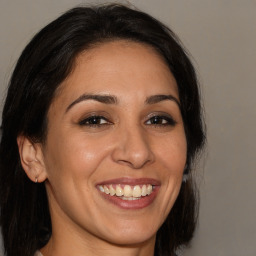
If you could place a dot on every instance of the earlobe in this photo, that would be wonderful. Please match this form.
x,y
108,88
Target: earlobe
x,y
32,160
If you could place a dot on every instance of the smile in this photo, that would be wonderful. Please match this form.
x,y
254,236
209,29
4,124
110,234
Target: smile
x,y
127,192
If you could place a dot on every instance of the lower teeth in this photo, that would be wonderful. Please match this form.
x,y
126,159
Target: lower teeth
x,y
130,198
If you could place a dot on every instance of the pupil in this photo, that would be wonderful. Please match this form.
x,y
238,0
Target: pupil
x,y
155,120
94,120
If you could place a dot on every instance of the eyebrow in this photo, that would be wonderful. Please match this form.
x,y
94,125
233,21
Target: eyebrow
x,y
161,97
111,99
106,99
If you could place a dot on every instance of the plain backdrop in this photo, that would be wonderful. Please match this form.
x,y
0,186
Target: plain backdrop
x,y
221,37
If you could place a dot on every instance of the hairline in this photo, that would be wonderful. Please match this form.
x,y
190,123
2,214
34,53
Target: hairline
x,y
91,47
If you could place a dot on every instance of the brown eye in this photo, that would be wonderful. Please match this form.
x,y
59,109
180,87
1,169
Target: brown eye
x,y
94,121
161,120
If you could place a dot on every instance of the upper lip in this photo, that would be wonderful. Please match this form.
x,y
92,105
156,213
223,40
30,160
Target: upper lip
x,y
131,181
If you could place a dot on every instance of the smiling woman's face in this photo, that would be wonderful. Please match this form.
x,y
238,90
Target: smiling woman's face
x,y
116,148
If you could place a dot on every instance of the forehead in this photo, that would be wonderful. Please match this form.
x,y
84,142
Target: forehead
x,y
118,66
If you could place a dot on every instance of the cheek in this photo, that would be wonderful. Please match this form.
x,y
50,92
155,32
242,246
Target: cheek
x,y
172,152
72,164
75,156
172,156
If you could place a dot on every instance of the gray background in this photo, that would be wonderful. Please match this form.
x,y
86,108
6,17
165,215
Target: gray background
x,y
221,36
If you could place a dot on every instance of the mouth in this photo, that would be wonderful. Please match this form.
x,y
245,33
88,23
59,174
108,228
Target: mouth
x,y
129,193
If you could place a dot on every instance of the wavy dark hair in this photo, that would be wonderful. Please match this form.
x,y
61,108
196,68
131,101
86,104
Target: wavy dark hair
x,y
45,62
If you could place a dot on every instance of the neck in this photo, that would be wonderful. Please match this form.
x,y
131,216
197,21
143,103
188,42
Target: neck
x,y
77,247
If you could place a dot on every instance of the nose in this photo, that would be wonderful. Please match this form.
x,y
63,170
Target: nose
x,y
132,148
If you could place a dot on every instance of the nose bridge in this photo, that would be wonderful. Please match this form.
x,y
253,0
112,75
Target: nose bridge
x,y
133,146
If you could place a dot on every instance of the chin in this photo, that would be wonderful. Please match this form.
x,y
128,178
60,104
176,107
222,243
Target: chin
x,y
131,235
131,239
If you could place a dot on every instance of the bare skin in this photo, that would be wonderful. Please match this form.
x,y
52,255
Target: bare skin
x,y
116,116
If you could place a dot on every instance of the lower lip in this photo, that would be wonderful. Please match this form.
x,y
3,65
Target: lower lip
x,y
132,204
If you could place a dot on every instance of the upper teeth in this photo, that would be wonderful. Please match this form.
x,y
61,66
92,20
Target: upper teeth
x,y
126,190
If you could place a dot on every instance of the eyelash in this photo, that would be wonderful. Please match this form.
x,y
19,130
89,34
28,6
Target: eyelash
x,y
99,121
93,121
168,121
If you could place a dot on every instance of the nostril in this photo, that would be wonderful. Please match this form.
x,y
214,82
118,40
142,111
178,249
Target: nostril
x,y
133,149
135,162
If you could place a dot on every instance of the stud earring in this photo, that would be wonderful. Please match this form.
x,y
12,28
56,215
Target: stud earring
x,y
185,174
36,180
185,178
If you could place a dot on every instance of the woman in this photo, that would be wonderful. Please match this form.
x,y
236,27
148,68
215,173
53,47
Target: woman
x,y
101,127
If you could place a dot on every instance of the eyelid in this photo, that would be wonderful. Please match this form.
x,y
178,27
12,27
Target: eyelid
x,y
90,116
162,115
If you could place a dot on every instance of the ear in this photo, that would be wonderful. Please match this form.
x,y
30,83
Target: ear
x,y
32,159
